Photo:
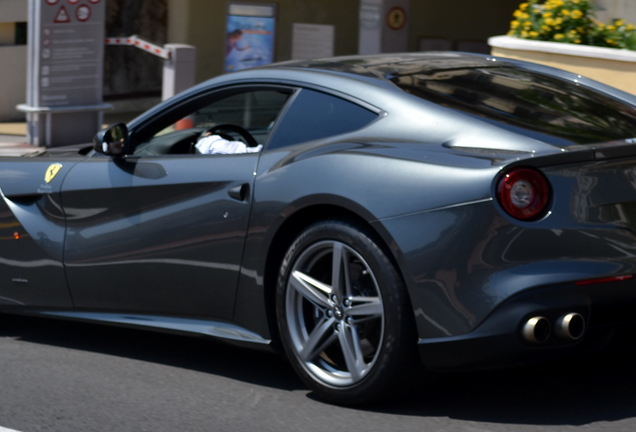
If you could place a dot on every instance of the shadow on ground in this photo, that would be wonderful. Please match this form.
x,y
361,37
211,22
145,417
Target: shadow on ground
x,y
576,391
573,392
194,353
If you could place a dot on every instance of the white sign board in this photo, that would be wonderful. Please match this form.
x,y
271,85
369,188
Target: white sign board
x,y
69,67
312,41
65,70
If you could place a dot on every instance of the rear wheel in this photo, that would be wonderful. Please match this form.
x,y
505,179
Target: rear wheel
x,y
343,314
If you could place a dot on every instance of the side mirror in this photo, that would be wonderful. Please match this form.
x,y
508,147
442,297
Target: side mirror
x,y
112,141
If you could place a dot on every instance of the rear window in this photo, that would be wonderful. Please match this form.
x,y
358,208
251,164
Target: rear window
x,y
530,103
314,115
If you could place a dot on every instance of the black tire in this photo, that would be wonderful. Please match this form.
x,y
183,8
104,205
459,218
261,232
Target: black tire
x,y
351,341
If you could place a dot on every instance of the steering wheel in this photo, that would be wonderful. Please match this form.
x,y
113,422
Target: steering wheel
x,y
219,130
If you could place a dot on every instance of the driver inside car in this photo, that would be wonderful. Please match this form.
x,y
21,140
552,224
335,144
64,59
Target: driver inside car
x,y
217,144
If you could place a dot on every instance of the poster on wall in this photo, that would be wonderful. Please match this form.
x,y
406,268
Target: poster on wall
x,y
250,35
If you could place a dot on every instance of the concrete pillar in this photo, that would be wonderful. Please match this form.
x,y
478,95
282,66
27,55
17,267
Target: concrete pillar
x,y
179,70
384,26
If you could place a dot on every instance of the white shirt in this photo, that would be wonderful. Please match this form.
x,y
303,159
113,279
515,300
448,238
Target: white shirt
x,y
214,144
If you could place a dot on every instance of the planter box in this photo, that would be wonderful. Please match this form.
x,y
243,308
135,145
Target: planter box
x,y
615,67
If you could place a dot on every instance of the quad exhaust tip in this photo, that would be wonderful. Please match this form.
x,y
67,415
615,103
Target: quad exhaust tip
x,y
570,327
537,330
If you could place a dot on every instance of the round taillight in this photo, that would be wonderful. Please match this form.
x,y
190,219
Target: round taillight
x,y
523,193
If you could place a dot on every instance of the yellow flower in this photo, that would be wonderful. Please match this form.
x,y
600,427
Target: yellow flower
x,y
568,21
576,14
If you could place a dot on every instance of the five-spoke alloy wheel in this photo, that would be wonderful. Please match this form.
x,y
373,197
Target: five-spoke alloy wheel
x,y
341,313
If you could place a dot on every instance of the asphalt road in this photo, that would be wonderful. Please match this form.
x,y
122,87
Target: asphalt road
x,y
72,377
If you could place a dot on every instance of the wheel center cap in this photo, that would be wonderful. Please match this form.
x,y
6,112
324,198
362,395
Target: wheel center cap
x,y
337,312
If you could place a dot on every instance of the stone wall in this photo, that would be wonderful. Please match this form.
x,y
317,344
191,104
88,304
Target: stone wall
x,y
13,71
460,20
610,9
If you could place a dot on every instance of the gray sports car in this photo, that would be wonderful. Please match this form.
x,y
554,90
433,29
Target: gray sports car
x,y
467,210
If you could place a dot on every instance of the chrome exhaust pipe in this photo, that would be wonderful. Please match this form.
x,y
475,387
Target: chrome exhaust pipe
x,y
570,326
537,330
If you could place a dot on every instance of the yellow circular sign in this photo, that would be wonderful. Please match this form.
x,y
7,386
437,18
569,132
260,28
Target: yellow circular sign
x,y
396,18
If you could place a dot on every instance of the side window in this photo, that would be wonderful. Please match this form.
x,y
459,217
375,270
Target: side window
x,y
255,111
314,115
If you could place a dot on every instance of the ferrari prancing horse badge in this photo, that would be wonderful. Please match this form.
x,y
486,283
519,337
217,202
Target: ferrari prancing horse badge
x,y
52,171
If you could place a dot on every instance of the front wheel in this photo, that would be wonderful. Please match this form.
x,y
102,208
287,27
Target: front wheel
x,y
343,314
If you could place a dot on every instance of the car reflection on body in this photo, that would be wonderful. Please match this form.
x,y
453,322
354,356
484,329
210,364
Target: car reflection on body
x,y
467,210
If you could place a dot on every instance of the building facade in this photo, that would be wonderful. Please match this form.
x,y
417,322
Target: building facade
x,y
13,52
281,29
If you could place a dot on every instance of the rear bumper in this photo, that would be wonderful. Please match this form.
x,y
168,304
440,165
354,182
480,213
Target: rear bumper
x,y
607,308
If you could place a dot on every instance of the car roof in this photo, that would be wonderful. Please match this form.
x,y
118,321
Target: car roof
x,y
375,79
368,77
389,65
380,69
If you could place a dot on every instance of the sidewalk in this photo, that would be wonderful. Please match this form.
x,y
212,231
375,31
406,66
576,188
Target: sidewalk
x,y
14,129
13,141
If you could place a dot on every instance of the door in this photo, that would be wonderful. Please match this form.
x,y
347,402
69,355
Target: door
x,y
162,231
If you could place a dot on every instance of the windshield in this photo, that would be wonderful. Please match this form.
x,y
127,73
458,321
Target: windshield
x,y
531,103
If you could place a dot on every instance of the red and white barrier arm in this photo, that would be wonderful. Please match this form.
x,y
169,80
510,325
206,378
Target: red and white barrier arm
x,y
141,44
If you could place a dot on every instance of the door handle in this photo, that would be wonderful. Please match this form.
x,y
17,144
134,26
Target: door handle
x,y
239,192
